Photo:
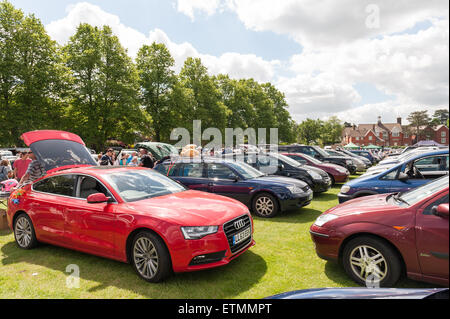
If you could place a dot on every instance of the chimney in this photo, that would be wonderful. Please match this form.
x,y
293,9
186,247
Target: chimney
x,y
399,120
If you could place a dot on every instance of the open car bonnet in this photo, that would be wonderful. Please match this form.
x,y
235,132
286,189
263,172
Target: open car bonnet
x,y
57,149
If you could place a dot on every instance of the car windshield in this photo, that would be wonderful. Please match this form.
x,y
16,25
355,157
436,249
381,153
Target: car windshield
x,y
311,159
321,151
286,159
416,195
245,170
137,185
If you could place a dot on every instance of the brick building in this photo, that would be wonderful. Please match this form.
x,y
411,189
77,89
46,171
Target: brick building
x,y
392,134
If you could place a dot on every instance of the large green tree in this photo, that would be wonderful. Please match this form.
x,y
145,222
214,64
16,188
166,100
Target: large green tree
x,y
309,131
157,80
331,131
104,91
417,120
207,105
31,76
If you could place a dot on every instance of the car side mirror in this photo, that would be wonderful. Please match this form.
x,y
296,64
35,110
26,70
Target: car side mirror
x,y
97,198
280,167
441,210
403,177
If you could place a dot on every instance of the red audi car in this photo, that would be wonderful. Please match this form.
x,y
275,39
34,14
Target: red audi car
x,y
337,173
378,238
133,215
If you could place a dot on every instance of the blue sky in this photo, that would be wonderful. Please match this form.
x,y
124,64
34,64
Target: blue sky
x,y
326,56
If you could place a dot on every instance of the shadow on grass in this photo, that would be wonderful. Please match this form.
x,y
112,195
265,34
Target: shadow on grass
x,y
5,232
223,282
335,272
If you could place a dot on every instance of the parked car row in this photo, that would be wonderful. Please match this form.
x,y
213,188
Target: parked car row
x,y
193,213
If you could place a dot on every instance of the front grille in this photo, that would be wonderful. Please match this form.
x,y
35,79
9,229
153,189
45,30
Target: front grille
x,y
230,231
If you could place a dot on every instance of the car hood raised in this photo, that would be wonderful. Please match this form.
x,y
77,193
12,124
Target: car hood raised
x,y
190,208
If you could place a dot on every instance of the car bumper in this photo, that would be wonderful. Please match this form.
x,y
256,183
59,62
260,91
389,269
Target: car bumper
x,y
344,197
326,242
341,178
322,186
297,202
212,251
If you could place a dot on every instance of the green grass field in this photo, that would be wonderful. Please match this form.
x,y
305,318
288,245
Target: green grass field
x,y
283,259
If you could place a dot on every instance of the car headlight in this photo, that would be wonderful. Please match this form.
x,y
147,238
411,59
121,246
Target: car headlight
x,y
345,189
314,175
295,189
323,219
198,232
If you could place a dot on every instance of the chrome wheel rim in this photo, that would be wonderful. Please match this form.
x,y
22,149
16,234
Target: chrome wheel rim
x,y
264,206
23,232
145,257
366,261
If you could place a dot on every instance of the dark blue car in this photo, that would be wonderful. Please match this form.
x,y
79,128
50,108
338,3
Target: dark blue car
x,y
414,172
265,195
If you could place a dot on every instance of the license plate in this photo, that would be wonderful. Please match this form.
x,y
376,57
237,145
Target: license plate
x,y
240,237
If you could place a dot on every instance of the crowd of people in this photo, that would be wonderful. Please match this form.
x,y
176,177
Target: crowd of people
x,y
24,170
139,159
27,168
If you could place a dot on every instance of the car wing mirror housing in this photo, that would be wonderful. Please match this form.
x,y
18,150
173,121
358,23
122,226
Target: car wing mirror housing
x,y
441,210
97,198
403,177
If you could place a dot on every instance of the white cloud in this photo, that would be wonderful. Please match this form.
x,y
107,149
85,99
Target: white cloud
x,y
412,67
339,51
328,22
188,7
235,64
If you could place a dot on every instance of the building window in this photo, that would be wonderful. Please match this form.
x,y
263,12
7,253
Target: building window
x,y
395,134
406,135
370,137
443,140
443,134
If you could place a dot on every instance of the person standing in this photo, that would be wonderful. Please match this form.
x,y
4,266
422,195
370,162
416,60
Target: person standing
x,y
146,160
4,171
35,171
107,159
20,165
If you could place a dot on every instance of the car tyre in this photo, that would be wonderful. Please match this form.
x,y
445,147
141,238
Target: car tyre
x,y
265,205
371,262
150,257
24,233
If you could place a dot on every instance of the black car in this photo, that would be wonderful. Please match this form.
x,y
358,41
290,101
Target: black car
x,y
320,154
265,195
280,165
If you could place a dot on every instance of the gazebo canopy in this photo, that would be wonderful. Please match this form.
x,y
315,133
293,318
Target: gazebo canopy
x,y
351,145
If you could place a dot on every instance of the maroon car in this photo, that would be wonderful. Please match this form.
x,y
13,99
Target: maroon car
x,y
337,173
378,238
